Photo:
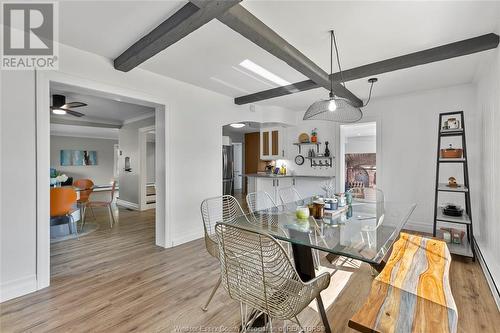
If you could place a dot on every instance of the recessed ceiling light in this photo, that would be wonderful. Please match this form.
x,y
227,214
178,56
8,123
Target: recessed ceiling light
x,y
251,66
237,125
59,111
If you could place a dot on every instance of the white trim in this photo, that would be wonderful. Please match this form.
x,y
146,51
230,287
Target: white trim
x,y
19,287
143,131
54,133
163,148
134,119
127,204
187,238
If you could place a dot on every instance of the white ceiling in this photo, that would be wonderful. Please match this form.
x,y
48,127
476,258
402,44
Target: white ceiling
x,y
100,109
366,32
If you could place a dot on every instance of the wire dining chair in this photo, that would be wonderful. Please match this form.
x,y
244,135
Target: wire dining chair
x,y
368,230
256,271
262,207
264,212
290,197
213,210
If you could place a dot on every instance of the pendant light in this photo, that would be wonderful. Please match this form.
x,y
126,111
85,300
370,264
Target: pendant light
x,y
336,109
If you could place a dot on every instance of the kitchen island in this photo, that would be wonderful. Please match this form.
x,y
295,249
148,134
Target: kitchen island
x,y
306,185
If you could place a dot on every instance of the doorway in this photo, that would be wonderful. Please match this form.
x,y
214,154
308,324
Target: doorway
x,y
44,82
358,159
238,166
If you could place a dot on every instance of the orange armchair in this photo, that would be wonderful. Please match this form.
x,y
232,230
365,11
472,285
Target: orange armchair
x,y
61,201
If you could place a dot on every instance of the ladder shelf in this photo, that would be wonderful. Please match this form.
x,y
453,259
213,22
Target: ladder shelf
x,y
466,248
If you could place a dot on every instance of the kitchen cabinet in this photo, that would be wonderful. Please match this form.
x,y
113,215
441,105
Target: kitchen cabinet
x,y
271,185
306,186
272,145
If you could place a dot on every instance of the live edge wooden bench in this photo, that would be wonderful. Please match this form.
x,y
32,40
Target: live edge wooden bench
x,y
412,293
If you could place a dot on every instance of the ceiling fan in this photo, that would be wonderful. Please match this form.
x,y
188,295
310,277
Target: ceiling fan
x,y
59,106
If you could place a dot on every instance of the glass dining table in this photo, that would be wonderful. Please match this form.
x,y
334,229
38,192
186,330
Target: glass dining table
x,y
363,231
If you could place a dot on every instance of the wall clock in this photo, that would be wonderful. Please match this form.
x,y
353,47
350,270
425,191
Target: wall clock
x,y
299,160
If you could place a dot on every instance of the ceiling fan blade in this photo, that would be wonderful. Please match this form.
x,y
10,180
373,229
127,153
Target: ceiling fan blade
x,y
74,113
73,105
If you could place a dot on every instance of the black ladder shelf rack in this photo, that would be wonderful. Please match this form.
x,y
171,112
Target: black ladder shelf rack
x,y
467,247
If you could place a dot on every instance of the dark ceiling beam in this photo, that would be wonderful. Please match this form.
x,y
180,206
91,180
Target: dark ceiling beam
x,y
190,17
250,27
448,51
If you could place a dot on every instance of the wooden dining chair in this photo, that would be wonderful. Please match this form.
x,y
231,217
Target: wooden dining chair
x,y
86,186
105,204
62,200
213,210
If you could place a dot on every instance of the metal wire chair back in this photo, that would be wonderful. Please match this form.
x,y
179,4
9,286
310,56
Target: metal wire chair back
x,y
290,197
262,208
256,271
218,209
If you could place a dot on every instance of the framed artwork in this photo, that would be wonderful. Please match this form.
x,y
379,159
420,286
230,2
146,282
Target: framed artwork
x,y
78,157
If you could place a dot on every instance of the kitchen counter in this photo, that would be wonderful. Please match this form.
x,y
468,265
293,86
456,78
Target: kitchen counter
x,y
267,175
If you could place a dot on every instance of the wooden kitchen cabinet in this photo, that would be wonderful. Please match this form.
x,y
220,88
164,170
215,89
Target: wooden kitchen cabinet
x,y
272,145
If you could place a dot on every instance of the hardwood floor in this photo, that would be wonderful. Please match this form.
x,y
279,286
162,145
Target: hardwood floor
x,y
118,280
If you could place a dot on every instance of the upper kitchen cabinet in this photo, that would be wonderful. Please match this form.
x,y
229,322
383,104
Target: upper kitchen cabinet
x,y
272,143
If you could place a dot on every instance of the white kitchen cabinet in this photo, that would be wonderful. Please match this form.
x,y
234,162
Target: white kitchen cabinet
x,y
309,186
272,143
272,185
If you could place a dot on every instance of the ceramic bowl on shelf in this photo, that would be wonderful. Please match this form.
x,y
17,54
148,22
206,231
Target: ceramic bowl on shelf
x,y
304,138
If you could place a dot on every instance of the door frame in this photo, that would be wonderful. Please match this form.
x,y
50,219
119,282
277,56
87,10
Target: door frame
x,y
143,205
43,80
341,150
240,144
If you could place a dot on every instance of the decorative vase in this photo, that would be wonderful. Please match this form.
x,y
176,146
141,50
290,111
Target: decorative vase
x,y
327,151
314,138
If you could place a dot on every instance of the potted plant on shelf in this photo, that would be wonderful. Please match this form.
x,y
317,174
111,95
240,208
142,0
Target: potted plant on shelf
x,y
314,135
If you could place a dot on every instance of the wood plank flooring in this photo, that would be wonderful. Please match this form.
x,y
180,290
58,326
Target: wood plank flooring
x,y
118,281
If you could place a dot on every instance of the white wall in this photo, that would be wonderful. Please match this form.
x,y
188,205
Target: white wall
x,y
326,132
128,139
194,127
361,145
17,187
102,173
407,127
487,225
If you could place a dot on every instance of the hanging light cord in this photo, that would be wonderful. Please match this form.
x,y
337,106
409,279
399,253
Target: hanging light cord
x,y
370,94
334,41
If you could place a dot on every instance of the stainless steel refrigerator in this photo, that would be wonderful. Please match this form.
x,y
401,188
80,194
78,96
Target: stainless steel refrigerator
x,y
227,170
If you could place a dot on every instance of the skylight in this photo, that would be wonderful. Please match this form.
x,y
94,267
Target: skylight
x,y
253,67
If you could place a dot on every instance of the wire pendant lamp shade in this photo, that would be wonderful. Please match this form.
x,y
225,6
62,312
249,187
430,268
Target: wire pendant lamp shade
x,y
336,109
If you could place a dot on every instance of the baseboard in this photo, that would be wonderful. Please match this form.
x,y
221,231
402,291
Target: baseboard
x,y
127,204
489,278
187,238
16,288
